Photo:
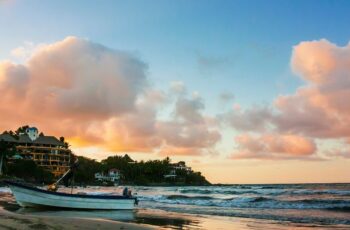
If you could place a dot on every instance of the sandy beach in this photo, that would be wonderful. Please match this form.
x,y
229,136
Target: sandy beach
x,y
16,221
158,219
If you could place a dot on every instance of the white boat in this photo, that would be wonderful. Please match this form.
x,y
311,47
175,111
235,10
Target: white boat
x,y
28,196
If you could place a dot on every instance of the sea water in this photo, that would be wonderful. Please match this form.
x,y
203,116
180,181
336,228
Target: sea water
x,y
327,204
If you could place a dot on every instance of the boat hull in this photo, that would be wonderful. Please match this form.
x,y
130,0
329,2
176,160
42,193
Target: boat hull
x,y
33,197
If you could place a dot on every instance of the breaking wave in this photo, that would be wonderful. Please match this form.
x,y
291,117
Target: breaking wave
x,y
251,202
266,191
5,190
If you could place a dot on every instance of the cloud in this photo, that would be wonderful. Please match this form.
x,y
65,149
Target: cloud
x,y
24,52
339,153
319,109
100,97
268,146
316,61
70,86
133,132
13,80
189,133
76,78
86,78
189,110
252,119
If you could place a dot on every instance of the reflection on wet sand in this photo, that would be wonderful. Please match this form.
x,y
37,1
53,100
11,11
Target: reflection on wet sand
x,y
161,219
167,219
118,215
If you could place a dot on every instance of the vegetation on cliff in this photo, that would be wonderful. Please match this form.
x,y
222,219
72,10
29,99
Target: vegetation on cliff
x,y
149,172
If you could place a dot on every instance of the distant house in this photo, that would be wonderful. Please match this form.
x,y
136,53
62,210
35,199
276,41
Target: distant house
x,y
180,166
113,175
171,174
46,151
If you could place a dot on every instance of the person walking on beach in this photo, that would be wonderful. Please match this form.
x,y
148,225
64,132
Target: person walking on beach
x,y
127,192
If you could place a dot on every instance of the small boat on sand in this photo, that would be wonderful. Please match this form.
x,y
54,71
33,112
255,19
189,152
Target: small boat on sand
x,y
30,196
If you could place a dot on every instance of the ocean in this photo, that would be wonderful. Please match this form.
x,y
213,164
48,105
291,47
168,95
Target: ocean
x,y
313,205
321,204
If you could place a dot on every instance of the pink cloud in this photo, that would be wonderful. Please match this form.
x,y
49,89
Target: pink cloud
x,y
316,61
273,146
99,97
70,85
319,109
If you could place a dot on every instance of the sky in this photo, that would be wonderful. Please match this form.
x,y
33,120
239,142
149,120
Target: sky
x,y
243,91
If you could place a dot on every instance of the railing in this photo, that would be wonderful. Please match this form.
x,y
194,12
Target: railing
x,y
43,147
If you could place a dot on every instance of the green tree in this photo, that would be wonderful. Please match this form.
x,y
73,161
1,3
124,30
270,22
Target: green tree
x,y
21,130
29,171
85,173
6,150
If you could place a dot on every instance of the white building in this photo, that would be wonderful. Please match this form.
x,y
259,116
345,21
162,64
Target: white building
x,y
180,166
113,175
33,133
171,174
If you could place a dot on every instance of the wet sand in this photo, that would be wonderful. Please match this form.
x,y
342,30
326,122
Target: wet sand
x,y
153,219
17,221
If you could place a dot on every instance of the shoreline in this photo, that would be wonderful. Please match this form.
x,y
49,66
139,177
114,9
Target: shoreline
x,y
148,219
10,220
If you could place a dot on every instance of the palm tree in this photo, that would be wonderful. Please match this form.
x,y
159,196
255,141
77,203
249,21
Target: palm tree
x,y
6,149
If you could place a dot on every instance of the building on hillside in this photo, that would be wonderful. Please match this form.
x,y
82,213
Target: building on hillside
x,y
113,175
46,151
180,166
171,174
